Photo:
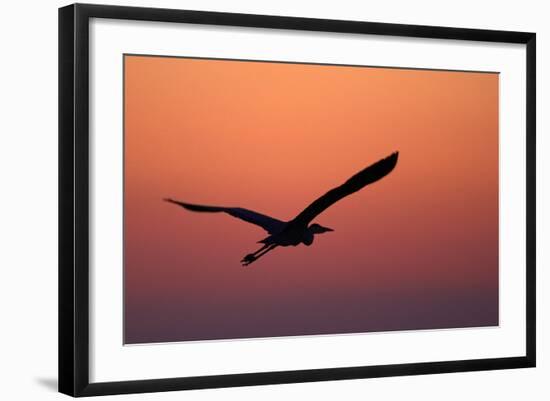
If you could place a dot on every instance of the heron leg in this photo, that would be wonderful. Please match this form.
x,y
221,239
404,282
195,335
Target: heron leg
x,y
252,257
253,254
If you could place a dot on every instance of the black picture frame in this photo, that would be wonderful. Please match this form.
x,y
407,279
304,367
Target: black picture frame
x,y
74,197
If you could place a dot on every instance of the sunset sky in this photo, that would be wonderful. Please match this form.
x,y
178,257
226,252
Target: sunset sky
x,y
416,250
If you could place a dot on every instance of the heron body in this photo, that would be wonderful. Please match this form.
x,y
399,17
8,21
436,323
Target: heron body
x,y
298,230
293,235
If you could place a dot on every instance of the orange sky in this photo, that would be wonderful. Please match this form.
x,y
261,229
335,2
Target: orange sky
x,y
272,137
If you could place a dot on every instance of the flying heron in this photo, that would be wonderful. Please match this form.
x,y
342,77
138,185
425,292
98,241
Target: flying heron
x,y
298,230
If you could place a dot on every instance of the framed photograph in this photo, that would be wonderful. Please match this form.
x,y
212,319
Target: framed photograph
x,y
251,199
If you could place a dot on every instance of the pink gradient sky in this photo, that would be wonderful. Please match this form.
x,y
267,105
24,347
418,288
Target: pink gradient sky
x,y
418,249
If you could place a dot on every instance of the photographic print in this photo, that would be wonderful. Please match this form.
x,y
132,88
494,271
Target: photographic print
x,y
262,199
269,199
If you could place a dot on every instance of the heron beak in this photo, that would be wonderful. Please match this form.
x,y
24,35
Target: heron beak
x,y
328,229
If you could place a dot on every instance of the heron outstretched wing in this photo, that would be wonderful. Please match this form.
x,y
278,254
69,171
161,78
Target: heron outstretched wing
x,y
270,224
372,173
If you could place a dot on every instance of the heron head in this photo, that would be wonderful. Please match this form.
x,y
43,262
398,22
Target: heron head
x,y
319,229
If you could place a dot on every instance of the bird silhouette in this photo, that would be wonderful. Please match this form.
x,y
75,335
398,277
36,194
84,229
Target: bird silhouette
x,y
298,230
